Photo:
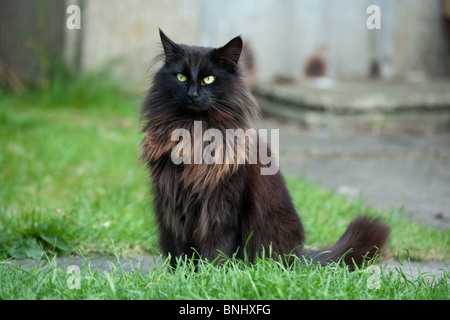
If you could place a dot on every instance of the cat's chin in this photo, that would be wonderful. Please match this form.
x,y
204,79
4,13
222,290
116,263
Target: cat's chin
x,y
196,108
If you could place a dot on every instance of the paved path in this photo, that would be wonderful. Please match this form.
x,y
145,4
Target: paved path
x,y
387,170
146,264
386,141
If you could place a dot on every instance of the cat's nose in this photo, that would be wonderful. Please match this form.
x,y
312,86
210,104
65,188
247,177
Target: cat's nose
x,y
193,92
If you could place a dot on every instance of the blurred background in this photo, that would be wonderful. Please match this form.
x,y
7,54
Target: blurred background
x,y
312,55
290,40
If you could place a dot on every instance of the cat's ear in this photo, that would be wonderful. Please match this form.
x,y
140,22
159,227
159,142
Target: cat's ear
x,y
229,54
171,49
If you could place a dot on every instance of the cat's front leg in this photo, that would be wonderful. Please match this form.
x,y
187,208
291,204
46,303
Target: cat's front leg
x,y
171,245
219,246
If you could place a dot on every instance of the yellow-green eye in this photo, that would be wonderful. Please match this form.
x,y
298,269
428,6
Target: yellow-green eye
x,y
181,77
208,79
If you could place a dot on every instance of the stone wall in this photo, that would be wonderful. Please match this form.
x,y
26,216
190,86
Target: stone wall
x,y
284,35
287,37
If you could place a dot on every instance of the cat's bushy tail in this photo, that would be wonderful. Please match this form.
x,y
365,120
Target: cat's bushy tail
x,y
361,241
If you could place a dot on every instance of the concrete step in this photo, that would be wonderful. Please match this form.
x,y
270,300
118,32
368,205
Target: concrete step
x,y
369,105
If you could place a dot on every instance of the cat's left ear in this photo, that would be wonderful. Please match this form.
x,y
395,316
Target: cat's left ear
x,y
229,54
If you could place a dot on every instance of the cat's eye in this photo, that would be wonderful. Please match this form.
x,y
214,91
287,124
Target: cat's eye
x,y
181,77
208,79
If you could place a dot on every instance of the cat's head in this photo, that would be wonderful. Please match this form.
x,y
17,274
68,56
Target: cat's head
x,y
200,80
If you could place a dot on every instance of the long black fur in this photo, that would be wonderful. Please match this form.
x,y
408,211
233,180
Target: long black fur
x,y
216,208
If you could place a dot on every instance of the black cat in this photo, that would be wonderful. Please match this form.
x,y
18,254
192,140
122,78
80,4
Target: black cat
x,y
224,207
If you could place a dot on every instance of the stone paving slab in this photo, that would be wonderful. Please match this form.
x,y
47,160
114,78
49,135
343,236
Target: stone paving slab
x,y
389,171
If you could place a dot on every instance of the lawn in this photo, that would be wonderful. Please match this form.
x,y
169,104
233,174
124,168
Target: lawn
x,y
70,184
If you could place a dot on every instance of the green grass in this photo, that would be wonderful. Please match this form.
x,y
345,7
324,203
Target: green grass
x,y
70,184
68,168
235,280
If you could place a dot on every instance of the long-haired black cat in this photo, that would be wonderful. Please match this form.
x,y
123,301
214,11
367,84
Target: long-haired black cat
x,y
228,208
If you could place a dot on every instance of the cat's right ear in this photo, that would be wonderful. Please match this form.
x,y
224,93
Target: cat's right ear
x,y
171,49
